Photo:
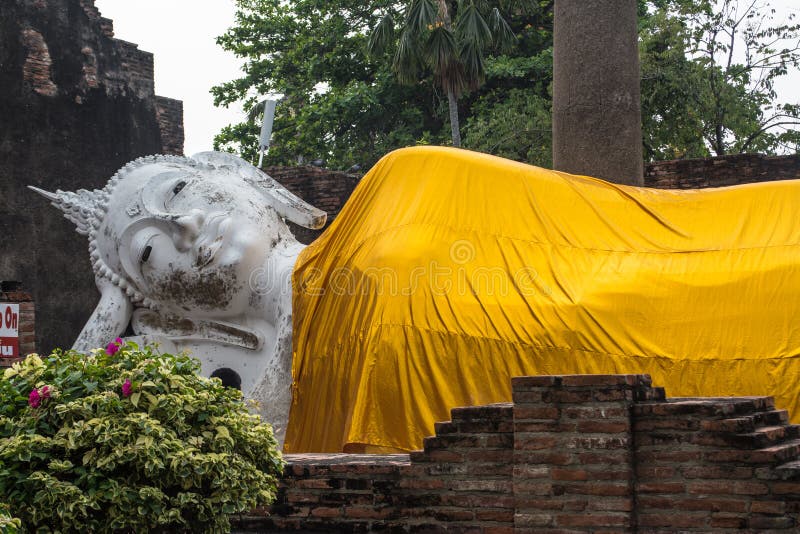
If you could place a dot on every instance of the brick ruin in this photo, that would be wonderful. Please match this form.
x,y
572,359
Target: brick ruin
x,y
721,171
570,454
75,105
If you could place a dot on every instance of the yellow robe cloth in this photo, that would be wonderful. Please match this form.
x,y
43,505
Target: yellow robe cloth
x,y
448,272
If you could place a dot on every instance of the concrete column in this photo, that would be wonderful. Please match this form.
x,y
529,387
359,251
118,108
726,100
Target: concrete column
x,y
597,124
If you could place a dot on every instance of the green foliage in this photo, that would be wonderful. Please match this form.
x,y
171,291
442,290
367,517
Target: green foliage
x,y
341,104
169,451
709,70
515,125
446,39
8,524
697,97
338,104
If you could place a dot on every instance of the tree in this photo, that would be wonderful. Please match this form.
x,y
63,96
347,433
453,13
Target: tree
x,y
709,77
452,48
338,105
346,106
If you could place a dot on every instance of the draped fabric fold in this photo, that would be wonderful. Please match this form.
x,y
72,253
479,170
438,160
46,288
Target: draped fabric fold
x,y
448,272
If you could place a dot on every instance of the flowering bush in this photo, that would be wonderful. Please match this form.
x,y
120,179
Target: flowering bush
x,y
128,439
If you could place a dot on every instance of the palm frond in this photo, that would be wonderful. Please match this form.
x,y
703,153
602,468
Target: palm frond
x,y
382,36
441,51
255,113
502,35
407,60
521,7
473,64
472,28
421,16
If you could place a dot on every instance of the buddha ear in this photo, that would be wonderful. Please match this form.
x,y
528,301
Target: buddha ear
x,y
109,319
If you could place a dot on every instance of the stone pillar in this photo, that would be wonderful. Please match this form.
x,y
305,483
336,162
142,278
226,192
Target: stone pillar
x,y
597,124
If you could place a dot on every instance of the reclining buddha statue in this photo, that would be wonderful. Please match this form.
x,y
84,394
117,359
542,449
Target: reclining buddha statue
x,y
446,273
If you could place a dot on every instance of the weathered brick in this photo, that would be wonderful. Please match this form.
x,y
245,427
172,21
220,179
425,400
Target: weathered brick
x,y
532,520
592,474
569,474
671,520
485,514
534,442
771,522
321,511
610,427
728,521
593,520
522,412
661,487
596,488
727,487
768,507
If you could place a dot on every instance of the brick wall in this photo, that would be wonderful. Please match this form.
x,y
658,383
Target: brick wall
x,y
11,292
170,121
136,69
721,171
571,454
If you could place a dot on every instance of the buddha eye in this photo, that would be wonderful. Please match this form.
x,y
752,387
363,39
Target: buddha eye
x,y
178,187
146,253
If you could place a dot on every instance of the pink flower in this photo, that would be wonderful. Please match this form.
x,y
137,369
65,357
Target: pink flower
x,y
34,400
126,388
114,346
45,392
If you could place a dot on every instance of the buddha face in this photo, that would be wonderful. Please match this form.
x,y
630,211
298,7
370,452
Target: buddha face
x,y
183,236
189,237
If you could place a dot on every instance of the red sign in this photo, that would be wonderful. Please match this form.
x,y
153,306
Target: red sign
x,y
9,330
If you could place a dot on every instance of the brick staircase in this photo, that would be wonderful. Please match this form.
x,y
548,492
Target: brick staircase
x,y
722,461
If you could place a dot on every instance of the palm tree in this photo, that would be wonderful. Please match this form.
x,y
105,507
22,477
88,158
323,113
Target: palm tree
x,y
451,47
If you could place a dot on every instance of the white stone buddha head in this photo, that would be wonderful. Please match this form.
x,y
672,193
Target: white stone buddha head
x,y
181,237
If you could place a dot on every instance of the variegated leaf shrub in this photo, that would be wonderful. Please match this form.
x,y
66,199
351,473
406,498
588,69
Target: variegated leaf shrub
x,y
128,439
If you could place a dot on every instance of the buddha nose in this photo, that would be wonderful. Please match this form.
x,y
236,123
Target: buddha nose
x,y
189,226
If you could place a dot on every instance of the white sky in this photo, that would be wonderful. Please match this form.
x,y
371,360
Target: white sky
x,y
181,34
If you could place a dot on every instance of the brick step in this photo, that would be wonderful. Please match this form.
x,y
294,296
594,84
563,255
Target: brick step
x,y
775,455
780,453
789,470
710,407
491,412
747,423
767,436
473,420
469,426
